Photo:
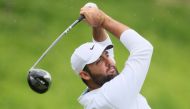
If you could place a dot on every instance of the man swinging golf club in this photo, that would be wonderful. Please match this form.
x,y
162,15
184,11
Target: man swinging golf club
x,y
95,65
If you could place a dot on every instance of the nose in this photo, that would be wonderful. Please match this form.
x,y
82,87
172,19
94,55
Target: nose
x,y
108,61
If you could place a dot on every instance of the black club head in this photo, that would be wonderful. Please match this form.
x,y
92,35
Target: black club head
x,y
39,80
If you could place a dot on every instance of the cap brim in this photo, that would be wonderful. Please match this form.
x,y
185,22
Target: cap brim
x,y
98,53
108,47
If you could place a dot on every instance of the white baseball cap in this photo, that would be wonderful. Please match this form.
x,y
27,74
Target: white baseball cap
x,y
86,54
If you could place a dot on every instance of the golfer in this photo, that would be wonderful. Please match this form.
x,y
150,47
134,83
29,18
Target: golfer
x,y
94,63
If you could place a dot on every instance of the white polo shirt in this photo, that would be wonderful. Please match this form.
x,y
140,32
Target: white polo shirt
x,y
123,92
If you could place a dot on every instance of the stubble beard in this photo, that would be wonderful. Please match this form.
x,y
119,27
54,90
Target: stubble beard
x,y
101,80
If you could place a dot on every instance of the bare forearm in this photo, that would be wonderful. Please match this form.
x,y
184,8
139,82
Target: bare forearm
x,y
113,26
99,34
98,20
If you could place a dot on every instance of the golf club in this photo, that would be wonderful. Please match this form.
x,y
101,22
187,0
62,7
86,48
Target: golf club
x,y
40,80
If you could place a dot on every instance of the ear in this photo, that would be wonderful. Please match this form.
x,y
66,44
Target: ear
x,y
84,75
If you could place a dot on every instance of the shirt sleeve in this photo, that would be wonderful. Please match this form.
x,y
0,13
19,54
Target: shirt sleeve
x,y
124,88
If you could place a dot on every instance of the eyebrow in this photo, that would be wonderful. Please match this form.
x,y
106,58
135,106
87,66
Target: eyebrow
x,y
105,52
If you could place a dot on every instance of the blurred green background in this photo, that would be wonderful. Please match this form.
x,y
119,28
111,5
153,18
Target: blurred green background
x,y
28,27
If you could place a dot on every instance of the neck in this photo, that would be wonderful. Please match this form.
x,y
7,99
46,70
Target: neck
x,y
92,86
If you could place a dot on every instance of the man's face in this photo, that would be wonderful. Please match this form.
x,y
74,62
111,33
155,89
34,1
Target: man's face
x,y
102,70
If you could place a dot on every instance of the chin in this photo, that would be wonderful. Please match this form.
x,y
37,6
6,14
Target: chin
x,y
110,77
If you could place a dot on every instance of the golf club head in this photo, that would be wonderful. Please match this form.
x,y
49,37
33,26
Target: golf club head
x,y
39,80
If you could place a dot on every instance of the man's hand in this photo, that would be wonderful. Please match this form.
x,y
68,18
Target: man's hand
x,y
98,19
94,16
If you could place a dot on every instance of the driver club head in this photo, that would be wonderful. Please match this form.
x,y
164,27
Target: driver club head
x,y
39,80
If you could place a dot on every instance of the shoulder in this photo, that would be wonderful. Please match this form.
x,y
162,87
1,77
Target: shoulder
x,y
94,100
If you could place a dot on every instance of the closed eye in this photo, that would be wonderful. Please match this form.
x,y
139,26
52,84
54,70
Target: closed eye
x,y
98,61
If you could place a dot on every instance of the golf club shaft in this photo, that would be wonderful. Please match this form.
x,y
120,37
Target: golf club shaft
x,y
58,38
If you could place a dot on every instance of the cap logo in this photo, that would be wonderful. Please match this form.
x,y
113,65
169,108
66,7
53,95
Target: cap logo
x,y
92,47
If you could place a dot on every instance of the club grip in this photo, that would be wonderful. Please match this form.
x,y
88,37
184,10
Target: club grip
x,y
81,17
